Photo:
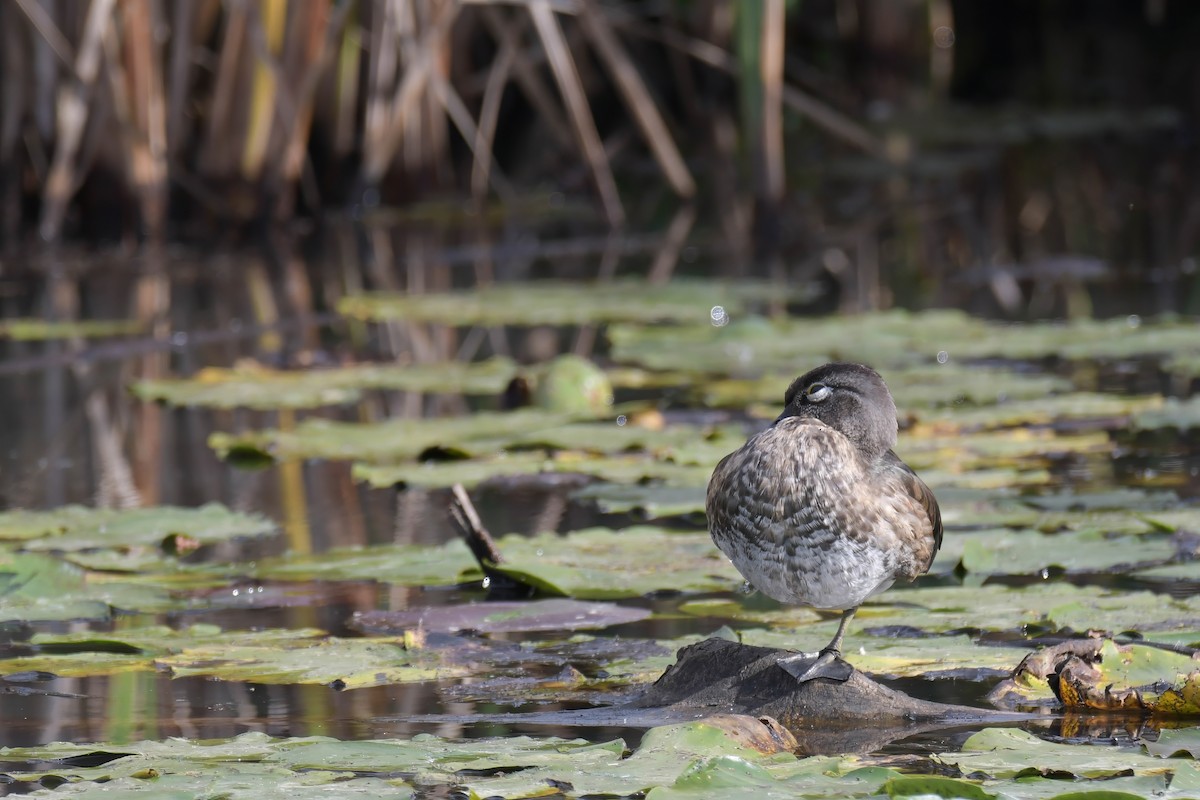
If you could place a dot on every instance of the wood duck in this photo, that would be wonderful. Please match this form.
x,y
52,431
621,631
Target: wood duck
x,y
817,510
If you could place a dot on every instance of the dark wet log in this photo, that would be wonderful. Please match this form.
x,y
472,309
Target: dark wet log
x,y
735,678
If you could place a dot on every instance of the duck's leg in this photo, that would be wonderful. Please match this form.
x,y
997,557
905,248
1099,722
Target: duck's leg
x,y
828,663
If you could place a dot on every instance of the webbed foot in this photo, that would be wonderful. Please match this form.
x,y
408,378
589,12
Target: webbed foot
x,y
827,664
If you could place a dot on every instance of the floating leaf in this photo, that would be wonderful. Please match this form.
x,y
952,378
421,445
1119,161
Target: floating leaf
x,y
556,614
251,385
555,303
35,587
1011,753
602,564
1131,677
1028,552
27,329
471,472
78,528
648,500
1175,742
398,564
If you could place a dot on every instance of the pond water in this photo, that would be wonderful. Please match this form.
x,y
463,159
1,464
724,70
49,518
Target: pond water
x,y
1067,460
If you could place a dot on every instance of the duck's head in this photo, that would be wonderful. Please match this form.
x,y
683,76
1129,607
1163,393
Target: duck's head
x,y
850,398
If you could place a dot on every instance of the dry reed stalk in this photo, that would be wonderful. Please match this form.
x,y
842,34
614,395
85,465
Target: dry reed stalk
x,y
527,77
13,98
668,254
308,57
222,138
821,114
461,117
146,142
385,136
183,13
571,88
771,179
489,115
43,23
272,19
72,117
346,87
639,100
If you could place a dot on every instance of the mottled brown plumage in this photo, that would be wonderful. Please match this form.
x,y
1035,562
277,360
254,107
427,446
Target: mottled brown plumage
x,y
817,510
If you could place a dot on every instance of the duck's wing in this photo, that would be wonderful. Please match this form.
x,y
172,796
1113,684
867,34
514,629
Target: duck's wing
x,y
918,491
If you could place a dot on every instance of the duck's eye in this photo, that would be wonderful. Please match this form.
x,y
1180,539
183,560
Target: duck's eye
x,y
818,393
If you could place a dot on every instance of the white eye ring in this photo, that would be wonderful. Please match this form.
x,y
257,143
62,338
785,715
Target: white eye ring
x,y
818,393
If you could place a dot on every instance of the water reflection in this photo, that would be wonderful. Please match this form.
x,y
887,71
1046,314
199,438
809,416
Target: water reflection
x,y
79,437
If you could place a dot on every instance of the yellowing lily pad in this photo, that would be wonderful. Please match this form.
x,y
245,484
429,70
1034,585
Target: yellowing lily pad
x,y
555,303
251,385
26,329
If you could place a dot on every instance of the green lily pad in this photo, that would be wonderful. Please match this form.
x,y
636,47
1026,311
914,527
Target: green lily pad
x,y
1028,552
1175,742
554,303
1182,415
923,387
36,587
555,614
343,663
27,329
651,501
602,564
483,434
299,656
78,528
397,564
1105,410
255,386
1012,753
472,472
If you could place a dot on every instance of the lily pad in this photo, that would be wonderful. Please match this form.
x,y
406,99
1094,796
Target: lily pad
x,y
1131,678
250,385
472,472
1013,753
36,587
603,564
397,564
299,656
556,614
1029,552
383,441
555,303
28,329
79,528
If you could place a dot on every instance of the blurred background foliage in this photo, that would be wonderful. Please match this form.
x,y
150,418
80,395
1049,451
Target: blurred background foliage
x,y
930,140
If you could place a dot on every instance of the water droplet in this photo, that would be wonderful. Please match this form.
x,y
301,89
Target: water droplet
x,y
942,357
719,316
622,419
1133,321
540,551
943,36
487,581
236,592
